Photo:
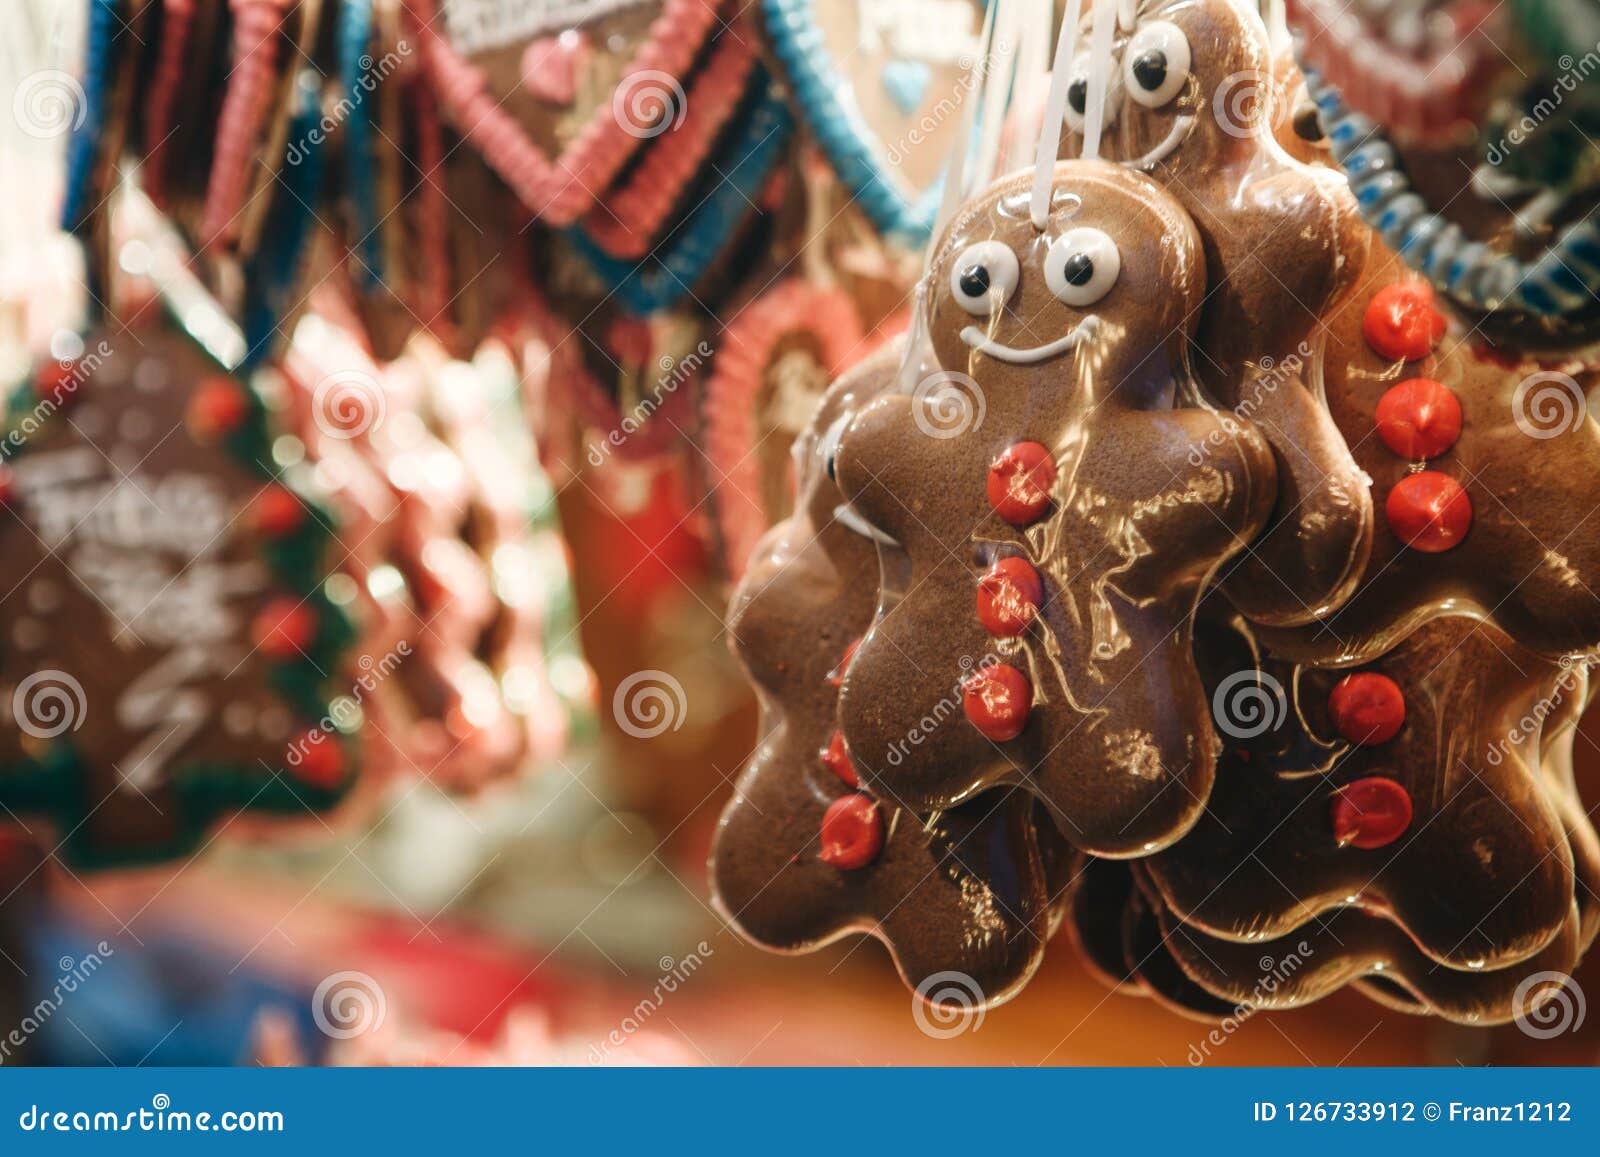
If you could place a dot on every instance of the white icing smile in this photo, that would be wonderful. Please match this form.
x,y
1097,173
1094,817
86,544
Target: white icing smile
x,y
981,342
846,516
1175,137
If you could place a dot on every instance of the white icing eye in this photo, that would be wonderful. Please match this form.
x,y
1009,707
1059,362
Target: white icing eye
x,y
828,445
1081,266
984,277
1155,65
1078,94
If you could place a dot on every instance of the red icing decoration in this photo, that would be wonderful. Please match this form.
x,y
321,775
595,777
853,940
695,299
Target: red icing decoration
x,y
284,628
837,677
1401,323
320,760
277,512
1367,707
1429,512
218,407
8,487
1419,419
1009,595
1370,813
58,383
1020,482
997,701
852,832
837,760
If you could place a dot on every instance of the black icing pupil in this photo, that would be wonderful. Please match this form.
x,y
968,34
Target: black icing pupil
x,y
1078,270
1150,70
975,282
1078,96
1307,126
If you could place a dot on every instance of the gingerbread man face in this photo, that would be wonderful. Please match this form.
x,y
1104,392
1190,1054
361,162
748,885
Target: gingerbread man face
x,y
1056,537
1117,271
803,855
1441,760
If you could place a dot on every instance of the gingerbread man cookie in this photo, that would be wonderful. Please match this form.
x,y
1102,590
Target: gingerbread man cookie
x,y
804,854
1409,787
1191,99
1481,463
1062,491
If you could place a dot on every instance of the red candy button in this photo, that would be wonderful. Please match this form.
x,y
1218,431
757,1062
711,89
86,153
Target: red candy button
x,y
1020,482
852,832
997,701
277,512
1419,419
837,677
1429,511
837,760
217,407
8,487
1009,595
283,628
1370,813
58,384
1367,707
317,758
1401,323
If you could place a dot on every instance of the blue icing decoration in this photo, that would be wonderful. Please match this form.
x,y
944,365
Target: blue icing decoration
x,y
906,82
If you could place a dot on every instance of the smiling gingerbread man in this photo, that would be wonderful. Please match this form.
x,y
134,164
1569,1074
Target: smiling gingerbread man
x,y
1059,530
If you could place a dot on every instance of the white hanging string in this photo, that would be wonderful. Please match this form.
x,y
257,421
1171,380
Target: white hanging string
x,y
998,82
957,168
1055,112
1100,42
